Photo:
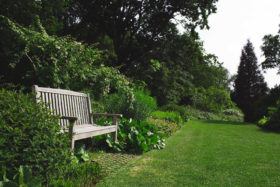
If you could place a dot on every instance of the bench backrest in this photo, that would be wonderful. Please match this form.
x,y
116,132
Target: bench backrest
x,y
66,103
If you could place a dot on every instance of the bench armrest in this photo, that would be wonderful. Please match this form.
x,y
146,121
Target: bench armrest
x,y
107,115
70,118
115,120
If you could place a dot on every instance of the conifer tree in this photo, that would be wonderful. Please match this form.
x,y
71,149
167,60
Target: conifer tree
x,y
249,84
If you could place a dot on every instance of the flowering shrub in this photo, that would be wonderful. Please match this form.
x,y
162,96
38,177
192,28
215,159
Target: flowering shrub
x,y
31,57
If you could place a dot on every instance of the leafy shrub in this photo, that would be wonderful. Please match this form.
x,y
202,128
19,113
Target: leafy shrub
x,y
142,106
30,135
212,99
165,127
260,107
22,178
176,108
262,122
168,115
81,154
272,121
134,136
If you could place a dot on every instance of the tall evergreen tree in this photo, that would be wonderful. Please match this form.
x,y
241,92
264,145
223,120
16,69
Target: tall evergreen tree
x,y
249,84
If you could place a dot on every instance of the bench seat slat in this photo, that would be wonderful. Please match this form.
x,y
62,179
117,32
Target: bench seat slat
x,y
86,131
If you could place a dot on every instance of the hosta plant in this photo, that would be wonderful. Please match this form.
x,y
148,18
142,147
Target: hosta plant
x,y
135,137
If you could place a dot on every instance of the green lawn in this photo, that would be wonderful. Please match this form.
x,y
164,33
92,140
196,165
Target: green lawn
x,y
207,153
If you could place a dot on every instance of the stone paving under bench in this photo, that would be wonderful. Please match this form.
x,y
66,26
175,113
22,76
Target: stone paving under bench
x,y
111,163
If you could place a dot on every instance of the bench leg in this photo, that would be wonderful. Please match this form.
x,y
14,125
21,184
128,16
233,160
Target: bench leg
x,y
71,135
72,144
116,135
116,123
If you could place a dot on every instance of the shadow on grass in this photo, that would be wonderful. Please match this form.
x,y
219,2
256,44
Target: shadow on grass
x,y
226,122
269,131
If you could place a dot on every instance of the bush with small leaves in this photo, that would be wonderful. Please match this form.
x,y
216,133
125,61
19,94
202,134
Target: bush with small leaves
x,y
30,135
22,178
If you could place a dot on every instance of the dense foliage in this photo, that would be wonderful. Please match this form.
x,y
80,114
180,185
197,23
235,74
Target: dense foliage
x,y
22,178
268,109
142,106
183,66
30,135
138,37
128,29
212,99
249,85
270,104
24,12
272,120
176,108
29,57
171,116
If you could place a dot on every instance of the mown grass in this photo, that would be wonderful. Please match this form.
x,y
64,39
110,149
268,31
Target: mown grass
x,y
207,153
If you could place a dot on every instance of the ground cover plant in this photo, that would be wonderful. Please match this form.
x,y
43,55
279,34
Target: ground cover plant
x,y
207,153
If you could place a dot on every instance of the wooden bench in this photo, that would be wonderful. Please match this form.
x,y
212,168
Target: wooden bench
x,y
75,113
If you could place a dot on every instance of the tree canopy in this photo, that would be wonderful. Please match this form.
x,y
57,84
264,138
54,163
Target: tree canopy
x,y
131,29
85,39
271,51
